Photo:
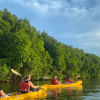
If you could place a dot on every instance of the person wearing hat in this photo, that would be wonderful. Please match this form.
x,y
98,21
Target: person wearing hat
x,y
69,80
2,94
54,81
27,85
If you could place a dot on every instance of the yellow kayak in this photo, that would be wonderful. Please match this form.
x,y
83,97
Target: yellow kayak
x,y
49,87
32,95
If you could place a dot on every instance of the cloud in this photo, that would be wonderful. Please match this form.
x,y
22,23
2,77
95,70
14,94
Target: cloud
x,y
79,36
77,21
36,3
74,8
47,7
55,5
75,12
71,9
89,40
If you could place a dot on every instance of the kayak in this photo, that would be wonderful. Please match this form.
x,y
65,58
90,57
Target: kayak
x,y
35,94
49,87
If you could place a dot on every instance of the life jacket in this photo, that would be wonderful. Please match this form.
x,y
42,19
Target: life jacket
x,y
53,81
68,80
24,87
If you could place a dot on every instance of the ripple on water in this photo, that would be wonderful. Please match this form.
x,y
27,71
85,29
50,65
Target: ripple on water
x,y
67,93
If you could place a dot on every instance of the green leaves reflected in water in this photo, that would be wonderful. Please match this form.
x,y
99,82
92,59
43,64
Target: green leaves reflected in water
x,y
67,93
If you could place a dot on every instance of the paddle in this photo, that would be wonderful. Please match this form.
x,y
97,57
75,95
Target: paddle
x,y
15,72
77,76
9,94
45,77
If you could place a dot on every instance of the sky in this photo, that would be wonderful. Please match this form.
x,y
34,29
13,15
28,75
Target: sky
x,y
72,22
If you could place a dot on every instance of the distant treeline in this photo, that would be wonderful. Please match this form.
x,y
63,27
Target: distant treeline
x,y
29,51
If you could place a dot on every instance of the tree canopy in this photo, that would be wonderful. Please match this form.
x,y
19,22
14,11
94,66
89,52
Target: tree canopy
x,y
29,51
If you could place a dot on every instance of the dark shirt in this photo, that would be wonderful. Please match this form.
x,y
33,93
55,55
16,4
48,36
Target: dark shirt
x,y
26,81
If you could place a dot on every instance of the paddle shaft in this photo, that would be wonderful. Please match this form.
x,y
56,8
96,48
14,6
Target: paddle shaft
x,y
9,94
77,76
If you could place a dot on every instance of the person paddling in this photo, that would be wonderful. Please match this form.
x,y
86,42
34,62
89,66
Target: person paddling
x,y
54,81
69,80
27,85
2,94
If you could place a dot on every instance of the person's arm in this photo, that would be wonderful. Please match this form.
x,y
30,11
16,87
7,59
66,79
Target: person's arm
x,y
58,82
3,94
33,86
71,80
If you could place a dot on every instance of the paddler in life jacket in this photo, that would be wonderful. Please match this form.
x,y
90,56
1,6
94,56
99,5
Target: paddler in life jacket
x,y
54,81
69,80
2,94
27,85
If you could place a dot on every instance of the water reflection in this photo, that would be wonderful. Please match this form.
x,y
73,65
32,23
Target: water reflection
x,y
67,93
89,90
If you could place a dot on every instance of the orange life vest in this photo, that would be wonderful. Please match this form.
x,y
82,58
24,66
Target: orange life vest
x,y
53,81
68,80
24,87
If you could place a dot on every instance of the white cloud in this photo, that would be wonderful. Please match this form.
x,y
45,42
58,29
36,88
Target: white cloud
x,y
79,19
44,8
79,36
90,41
75,12
56,5
61,7
48,8
87,40
97,34
97,45
36,3
85,44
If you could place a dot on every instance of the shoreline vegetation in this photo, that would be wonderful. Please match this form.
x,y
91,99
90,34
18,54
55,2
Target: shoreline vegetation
x,y
29,51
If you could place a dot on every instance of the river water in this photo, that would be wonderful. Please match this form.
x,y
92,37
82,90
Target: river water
x,y
89,90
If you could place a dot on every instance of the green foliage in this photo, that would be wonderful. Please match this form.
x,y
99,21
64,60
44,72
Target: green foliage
x,y
29,51
4,70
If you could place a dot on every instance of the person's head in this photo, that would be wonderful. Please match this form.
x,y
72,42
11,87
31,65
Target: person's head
x,y
28,77
55,76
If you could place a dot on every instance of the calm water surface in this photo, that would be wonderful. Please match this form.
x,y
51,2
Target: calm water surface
x,y
89,90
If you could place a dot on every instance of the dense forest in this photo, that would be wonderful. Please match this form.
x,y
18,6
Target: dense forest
x,y
29,51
